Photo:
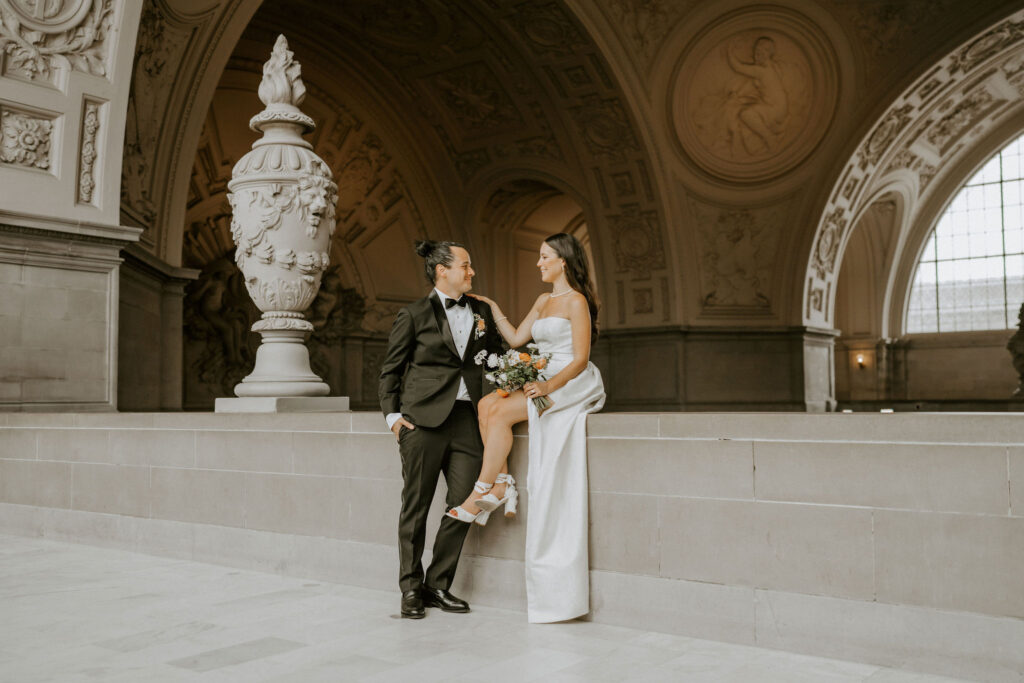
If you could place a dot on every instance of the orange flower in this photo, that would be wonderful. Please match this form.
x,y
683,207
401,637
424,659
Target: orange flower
x,y
480,325
540,363
525,357
502,393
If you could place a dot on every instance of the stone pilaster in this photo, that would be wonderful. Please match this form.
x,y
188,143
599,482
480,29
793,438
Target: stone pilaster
x,y
59,317
151,305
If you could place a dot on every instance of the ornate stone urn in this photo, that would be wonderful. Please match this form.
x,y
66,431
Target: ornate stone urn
x,y
282,200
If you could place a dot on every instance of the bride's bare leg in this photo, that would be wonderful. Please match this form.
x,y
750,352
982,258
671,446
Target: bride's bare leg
x,y
497,417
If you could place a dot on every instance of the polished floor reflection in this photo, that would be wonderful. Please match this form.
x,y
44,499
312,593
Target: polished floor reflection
x,y
75,613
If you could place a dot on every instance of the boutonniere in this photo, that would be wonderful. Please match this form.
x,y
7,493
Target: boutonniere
x,y
479,326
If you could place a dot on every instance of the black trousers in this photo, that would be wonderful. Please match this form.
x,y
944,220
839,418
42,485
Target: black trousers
x,y
455,449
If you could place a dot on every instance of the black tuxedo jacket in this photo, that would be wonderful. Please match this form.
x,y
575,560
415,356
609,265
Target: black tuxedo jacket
x,y
421,372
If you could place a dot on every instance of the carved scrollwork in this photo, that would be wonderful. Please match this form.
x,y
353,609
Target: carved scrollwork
x,y
605,128
739,250
87,159
281,295
282,324
39,37
25,139
827,247
637,241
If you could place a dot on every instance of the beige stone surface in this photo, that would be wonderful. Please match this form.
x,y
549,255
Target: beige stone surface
x,y
158,447
241,450
1016,468
625,533
371,507
915,477
690,608
294,504
115,489
347,454
963,562
619,425
502,537
74,445
28,482
942,428
18,444
203,496
672,467
941,642
802,548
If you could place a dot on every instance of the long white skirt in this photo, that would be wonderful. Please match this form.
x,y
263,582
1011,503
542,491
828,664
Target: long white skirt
x,y
557,561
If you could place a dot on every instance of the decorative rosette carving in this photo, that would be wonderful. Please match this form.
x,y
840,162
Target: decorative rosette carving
x,y
25,140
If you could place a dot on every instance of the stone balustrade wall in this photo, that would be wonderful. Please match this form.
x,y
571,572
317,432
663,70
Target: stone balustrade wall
x,y
892,539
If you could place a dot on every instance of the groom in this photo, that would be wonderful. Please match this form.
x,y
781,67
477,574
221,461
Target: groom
x,y
429,388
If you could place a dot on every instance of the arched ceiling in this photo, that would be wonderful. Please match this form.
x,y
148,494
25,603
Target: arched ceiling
x,y
592,99
466,98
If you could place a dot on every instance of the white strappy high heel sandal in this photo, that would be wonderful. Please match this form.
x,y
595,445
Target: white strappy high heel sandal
x,y
490,502
462,515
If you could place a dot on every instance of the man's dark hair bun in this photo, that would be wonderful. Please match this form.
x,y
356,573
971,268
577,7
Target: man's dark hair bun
x,y
435,253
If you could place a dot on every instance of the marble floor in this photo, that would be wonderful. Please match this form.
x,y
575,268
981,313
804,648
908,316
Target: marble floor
x,y
72,613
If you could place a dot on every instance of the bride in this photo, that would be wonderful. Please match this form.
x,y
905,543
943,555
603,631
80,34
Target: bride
x,y
563,323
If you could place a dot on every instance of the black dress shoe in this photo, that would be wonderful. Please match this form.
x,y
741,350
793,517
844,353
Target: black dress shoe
x,y
412,605
435,597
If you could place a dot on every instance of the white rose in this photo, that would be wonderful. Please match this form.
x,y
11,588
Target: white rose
x,y
492,360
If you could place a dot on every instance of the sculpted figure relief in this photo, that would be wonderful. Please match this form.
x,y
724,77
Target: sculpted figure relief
x,y
755,94
757,108
751,99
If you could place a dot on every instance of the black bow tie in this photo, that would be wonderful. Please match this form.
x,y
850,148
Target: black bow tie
x,y
461,301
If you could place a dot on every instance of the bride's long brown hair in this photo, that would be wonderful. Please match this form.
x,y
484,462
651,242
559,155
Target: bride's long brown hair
x,y
577,272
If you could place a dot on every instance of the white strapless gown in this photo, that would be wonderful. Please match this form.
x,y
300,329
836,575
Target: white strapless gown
x,y
557,561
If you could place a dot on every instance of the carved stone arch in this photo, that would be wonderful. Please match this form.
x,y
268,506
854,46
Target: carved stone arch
x,y
926,130
879,228
508,209
920,226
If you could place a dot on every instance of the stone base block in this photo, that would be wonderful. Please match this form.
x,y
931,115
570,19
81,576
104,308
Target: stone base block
x,y
283,404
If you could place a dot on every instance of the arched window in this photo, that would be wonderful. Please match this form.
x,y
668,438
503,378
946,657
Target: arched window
x,y
971,272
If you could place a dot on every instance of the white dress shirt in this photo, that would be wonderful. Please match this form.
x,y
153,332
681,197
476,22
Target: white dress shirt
x,y
460,320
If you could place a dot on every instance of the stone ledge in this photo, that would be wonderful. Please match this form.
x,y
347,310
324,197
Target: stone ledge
x,y
283,404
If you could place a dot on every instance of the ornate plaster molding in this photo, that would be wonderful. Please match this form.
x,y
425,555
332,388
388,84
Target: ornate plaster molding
x,y
37,38
25,139
754,94
924,129
87,157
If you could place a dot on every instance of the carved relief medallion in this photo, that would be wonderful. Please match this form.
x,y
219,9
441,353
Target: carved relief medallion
x,y
39,36
754,94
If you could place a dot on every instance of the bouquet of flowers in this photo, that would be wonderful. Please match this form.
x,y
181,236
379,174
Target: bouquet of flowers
x,y
512,369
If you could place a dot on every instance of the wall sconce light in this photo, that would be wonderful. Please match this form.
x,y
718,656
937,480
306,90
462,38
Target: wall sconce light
x,y
860,361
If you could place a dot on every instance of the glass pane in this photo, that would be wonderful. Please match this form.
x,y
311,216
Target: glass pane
x,y
971,272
